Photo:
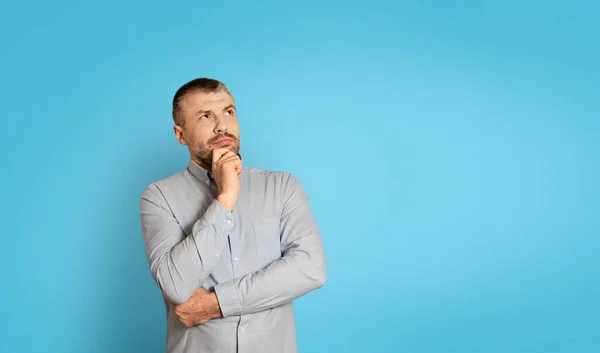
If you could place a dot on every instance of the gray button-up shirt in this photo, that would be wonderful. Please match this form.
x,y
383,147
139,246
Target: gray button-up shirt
x,y
257,258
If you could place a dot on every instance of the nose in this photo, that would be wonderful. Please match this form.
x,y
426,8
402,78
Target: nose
x,y
220,127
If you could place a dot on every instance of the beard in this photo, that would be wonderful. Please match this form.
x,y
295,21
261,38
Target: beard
x,y
204,152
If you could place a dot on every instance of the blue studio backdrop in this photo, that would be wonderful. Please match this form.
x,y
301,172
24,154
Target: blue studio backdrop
x,y
450,150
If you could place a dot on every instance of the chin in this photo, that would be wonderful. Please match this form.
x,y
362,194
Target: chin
x,y
233,148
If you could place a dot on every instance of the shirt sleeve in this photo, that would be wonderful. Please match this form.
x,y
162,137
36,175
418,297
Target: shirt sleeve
x,y
180,263
300,270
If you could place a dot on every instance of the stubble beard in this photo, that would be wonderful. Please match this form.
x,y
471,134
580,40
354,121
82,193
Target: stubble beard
x,y
203,152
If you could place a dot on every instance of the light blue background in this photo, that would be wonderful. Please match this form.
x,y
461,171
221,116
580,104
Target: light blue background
x,y
450,150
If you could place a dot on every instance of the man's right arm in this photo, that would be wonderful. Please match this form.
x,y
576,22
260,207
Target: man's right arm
x,y
180,264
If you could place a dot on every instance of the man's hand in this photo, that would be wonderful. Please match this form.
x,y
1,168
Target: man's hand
x,y
225,168
199,309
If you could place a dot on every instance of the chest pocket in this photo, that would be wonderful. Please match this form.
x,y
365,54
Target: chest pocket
x,y
266,233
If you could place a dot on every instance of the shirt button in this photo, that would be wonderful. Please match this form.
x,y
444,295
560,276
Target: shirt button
x,y
207,182
235,259
218,255
242,329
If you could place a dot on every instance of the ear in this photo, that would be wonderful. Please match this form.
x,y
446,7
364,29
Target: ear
x,y
178,130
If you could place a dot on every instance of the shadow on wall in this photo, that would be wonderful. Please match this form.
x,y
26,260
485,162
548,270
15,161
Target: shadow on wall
x,y
134,316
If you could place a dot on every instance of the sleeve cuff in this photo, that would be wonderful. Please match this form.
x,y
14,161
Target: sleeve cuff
x,y
216,215
228,299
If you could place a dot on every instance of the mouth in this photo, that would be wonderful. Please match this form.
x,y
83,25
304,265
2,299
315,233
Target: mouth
x,y
224,141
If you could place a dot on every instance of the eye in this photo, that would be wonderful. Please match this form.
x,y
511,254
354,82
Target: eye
x,y
204,117
229,112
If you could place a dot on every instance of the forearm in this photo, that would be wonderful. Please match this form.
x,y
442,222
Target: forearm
x,y
185,267
180,264
283,281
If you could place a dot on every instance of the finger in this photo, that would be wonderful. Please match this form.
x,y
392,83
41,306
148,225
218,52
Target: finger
x,y
229,162
230,159
218,153
238,166
226,156
180,311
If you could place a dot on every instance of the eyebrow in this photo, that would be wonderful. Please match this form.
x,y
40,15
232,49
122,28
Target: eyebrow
x,y
230,106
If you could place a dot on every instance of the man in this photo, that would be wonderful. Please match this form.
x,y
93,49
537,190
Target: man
x,y
230,247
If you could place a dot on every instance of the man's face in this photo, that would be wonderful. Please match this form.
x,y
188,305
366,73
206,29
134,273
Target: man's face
x,y
210,123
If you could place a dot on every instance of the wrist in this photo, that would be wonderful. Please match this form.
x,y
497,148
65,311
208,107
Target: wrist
x,y
227,201
215,307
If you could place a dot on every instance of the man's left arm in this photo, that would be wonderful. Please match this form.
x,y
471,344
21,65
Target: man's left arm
x,y
300,270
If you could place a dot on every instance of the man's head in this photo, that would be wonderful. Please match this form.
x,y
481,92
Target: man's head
x,y
205,118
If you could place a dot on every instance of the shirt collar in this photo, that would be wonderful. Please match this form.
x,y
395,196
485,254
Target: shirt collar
x,y
204,175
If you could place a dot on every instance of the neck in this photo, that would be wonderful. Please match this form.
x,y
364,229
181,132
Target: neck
x,y
201,163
